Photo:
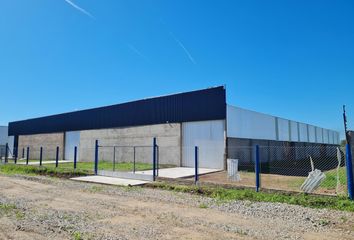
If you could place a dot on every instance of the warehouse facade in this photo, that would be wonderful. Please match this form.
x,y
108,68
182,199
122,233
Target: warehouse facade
x,y
179,122
5,139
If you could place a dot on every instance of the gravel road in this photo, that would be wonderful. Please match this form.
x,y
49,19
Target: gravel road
x,y
51,208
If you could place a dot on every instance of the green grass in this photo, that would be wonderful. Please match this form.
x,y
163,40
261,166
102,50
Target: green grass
x,y
11,209
12,169
67,169
6,208
330,182
77,236
223,195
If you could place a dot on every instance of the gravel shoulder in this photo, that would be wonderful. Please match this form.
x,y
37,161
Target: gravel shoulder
x,y
51,208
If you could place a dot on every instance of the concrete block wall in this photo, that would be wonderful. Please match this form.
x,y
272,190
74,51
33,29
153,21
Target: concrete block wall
x,y
168,138
49,142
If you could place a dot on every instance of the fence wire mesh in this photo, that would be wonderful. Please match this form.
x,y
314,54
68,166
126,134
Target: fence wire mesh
x,y
289,168
313,169
125,158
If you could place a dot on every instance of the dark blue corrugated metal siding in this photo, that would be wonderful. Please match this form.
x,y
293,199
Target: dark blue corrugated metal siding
x,y
208,104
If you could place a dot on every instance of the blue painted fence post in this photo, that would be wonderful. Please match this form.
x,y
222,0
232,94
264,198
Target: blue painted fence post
x,y
157,160
40,156
349,166
196,160
15,149
16,155
96,157
57,157
27,157
75,156
6,152
257,168
154,159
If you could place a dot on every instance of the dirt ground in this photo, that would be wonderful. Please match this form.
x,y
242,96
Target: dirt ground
x,y
49,208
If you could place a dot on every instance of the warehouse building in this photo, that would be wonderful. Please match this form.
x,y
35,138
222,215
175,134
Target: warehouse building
x,y
5,139
179,122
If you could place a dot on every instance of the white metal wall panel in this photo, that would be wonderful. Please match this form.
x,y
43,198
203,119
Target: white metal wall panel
x,y
72,140
325,136
337,138
3,135
331,137
294,131
209,137
303,132
243,123
319,135
312,133
283,129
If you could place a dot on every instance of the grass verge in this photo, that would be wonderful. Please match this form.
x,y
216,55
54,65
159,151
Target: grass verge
x,y
224,195
67,169
11,169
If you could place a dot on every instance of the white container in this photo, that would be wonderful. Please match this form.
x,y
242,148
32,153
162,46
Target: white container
x,y
232,170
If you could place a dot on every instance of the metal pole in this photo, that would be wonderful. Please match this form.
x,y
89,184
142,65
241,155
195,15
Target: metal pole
x,y
196,174
40,156
16,153
154,159
257,168
57,158
349,166
6,152
27,157
23,152
158,159
75,156
96,157
114,158
134,169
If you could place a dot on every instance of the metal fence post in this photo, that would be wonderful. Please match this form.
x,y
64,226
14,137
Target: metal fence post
x,y
349,166
157,160
96,157
23,153
16,153
257,168
196,174
114,158
27,157
6,152
134,167
154,159
40,156
57,157
75,156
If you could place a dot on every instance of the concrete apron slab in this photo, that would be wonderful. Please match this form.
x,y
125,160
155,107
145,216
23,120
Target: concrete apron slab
x,y
110,180
179,172
126,175
43,162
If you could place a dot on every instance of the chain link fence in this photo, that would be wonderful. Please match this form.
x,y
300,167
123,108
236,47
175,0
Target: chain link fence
x,y
313,169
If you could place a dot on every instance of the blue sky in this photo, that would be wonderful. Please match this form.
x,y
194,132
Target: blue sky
x,y
294,59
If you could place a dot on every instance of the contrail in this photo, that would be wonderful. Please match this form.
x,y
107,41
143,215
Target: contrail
x,y
135,50
79,8
184,48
